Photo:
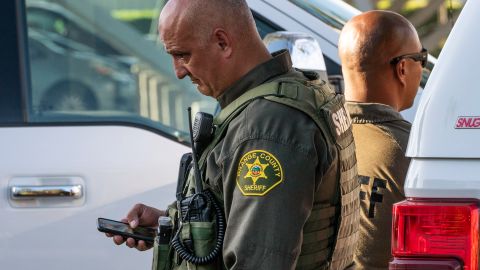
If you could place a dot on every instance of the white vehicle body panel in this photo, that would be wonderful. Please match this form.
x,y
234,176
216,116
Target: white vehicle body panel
x,y
445,160
443,178
117,166
451,93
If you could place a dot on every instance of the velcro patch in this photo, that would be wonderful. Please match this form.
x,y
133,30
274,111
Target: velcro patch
x,y
258,173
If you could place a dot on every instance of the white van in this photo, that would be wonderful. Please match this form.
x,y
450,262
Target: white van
x,y
437,227
98,148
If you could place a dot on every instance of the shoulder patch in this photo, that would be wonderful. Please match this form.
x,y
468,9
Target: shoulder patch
x,y
258,172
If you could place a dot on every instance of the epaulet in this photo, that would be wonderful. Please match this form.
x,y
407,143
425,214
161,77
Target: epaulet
x,y
309,74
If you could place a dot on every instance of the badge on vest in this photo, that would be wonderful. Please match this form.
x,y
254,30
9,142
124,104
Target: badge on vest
x,y
258,173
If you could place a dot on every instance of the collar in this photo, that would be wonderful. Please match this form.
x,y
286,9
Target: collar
x,y
363,113
280,63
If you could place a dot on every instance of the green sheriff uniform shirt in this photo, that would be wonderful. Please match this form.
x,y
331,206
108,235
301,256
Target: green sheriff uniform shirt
x,y
267,167
381,136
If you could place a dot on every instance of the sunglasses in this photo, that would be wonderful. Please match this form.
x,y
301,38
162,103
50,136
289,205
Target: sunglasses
x,y
417,57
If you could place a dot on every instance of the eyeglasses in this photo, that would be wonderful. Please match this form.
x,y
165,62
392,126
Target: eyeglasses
x,y
417,57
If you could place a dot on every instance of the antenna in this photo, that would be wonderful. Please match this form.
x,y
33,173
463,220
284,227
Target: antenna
x,y
198,179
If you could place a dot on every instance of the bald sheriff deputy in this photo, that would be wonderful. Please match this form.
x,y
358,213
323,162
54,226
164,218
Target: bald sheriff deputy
x,y
382,61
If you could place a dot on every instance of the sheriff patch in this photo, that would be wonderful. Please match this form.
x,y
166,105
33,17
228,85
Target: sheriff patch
x,y
258,173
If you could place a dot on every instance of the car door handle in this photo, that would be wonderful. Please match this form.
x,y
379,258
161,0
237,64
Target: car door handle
x,y
34,192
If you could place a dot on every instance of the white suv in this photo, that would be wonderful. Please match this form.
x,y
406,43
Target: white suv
x,y
437,227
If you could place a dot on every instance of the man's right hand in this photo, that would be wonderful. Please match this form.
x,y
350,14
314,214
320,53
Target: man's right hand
x,y
139,215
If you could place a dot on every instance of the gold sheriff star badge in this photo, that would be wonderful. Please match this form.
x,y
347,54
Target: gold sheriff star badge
x,y
258,172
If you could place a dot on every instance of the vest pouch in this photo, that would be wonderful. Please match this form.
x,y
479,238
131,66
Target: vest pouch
x,y
202,234
161,256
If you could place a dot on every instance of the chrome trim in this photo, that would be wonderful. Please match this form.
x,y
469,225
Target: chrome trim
x,y
33,192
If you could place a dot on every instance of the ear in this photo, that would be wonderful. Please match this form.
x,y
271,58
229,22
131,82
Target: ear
x,y
401,72
223,42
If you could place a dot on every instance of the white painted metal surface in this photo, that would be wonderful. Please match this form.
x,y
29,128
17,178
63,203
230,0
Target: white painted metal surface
x,y
445,159
443,178
451,92
117,166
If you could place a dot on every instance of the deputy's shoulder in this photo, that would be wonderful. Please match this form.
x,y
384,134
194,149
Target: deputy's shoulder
x,y
389,141
269,120
399,130
264,110
398,126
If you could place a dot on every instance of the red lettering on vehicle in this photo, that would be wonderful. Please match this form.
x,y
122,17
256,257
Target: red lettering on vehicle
x,y
466,122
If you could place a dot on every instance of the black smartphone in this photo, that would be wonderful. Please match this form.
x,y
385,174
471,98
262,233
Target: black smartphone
x,y
123,229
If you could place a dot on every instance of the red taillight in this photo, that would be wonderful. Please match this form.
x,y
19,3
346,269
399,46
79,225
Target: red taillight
x,y
436,229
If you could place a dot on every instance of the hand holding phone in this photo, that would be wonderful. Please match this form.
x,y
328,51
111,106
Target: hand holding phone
x,y
120,228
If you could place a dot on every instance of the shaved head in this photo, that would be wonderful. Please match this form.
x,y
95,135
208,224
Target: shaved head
x,y
367,45
203,16
212,42
371,39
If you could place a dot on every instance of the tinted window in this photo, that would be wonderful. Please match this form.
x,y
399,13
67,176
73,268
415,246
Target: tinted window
x,y
264,26
56,21
91,62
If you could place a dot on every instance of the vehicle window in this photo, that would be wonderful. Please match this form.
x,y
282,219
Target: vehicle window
x,y
330,12
92,61
264,26
10,78
58,23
